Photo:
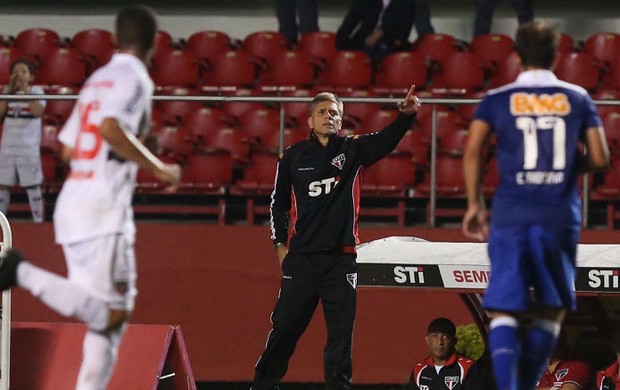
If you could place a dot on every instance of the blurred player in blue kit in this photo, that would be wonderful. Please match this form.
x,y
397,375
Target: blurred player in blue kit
x,y
547,133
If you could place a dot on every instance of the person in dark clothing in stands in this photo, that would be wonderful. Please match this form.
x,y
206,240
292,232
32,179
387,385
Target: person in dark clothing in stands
x,y
314,228
382,27
484,14
443,368
297,17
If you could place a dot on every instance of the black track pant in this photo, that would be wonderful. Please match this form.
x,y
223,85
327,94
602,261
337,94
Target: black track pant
x,y
332,278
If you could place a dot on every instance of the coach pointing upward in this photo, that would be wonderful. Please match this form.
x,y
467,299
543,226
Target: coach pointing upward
x,y
314,214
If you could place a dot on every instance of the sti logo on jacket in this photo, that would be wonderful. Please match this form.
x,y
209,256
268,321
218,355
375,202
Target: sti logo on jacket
x,y
324,186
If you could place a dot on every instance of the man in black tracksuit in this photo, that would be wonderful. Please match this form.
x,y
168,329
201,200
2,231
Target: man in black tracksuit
x,y
314,212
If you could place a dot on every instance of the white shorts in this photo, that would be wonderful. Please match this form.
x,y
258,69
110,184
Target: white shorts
x,y
23,170
105,267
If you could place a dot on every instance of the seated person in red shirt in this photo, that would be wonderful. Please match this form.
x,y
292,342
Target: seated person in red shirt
x,y
563,373
443,368
609,378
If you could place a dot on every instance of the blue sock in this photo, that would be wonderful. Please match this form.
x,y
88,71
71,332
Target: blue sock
x,y
504,344
537,347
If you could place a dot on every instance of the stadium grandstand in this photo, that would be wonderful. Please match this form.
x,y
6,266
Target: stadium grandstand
x,y
230,95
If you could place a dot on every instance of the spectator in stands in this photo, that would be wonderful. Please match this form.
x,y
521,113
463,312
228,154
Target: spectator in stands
x,y
93,219
609,378
20,159
563,373
315,190
289,12
443,368
536,209
485,9
382,27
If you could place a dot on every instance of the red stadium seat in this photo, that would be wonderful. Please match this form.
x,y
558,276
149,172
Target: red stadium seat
x,y
265,45
259,176
173,111
260,123
209,173
236,109
436,47
49,139
288,70
96,43
393,174
354,113
609,192
271,143
450,181
347,69
453,142
37,41
604,46
467,111
505,71
297,113
611,123
175,68
200,121
377,120
492,47
612,79
606,94
8,55
257,182
229,139
566,44
163,44
581,69
173,141
389,179
206,45
447,121
62,66
234,68
413,145
57,111
398,71
320,45
461,73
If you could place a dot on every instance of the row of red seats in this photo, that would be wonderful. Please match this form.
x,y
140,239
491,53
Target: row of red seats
x,y
209,60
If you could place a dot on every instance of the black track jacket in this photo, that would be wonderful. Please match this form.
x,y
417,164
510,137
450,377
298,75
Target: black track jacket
x,y
315,202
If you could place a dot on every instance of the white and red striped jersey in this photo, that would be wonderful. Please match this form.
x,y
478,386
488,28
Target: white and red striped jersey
x,y
96,197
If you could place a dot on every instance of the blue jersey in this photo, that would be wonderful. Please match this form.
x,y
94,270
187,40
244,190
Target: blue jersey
x,y
539,122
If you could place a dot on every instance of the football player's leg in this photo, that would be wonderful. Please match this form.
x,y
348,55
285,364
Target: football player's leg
x,y
63,296
100,347
507,295
553,265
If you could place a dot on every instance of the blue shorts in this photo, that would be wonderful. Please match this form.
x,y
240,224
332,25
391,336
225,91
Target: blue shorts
x,y
528,256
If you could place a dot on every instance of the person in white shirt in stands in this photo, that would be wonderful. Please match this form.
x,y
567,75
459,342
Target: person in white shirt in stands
x,y
93,219
20,159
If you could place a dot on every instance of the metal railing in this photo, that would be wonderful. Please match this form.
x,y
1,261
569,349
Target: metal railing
x,y
285,99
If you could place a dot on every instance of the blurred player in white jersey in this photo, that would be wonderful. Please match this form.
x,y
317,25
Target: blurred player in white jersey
x,y
20,159
93,219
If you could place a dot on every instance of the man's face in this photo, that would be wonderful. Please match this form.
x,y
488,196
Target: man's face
x,y
325,119
440,345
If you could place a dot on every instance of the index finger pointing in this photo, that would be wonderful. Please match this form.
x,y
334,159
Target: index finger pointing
x,y
410,93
